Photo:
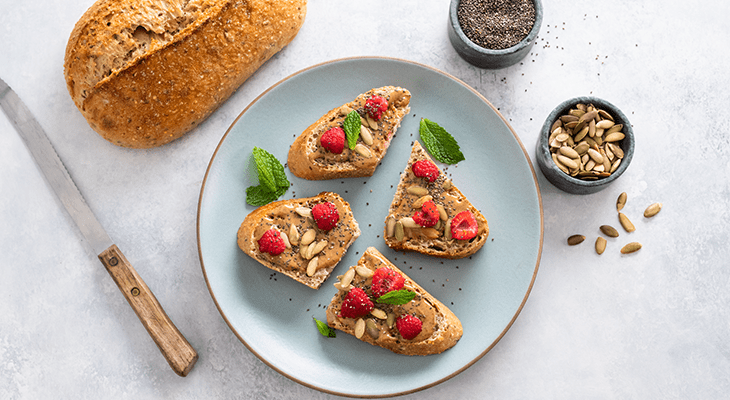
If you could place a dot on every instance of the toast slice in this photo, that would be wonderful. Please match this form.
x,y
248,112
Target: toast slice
x,y
308,159
402,232
440,329
308,258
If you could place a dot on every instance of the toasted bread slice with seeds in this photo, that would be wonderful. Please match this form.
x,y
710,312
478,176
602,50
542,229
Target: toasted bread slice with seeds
x,y
308,258
403,233
440,329
308,159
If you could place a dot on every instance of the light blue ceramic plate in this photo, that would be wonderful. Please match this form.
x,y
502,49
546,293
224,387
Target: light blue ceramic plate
x,y
272,314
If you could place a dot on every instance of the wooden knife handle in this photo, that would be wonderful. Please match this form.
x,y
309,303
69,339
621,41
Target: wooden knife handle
x,y
177,351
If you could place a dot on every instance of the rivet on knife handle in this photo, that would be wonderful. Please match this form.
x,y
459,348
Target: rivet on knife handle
x,y
177,351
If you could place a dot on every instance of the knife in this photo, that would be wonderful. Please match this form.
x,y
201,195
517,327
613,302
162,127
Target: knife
x,y
177,351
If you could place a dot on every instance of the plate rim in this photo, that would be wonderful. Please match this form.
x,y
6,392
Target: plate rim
x,y
370,58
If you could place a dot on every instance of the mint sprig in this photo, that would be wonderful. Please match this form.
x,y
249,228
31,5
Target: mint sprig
x,y
396,297
440,143
351,125
272,179
325,329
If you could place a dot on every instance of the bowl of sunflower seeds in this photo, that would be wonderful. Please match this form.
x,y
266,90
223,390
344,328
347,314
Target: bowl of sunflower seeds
x,y
585,144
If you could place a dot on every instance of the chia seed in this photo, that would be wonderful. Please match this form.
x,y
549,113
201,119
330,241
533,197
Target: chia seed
x,y
496,24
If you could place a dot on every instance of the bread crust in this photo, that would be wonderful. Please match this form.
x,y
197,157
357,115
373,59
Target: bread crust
x,y
414,239
282,215
145,72
443,335
308,160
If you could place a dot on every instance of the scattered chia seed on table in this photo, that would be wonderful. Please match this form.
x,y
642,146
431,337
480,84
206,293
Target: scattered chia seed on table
x,y
496,24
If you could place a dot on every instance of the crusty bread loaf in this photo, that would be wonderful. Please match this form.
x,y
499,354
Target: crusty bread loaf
x,y
309,160
441,329
433,241
145,72
285,215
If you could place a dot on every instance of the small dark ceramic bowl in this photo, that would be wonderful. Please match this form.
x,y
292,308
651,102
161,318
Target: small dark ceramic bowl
x,y
566,182
487,58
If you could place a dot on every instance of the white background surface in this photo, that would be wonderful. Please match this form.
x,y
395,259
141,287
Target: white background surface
x,y
655,324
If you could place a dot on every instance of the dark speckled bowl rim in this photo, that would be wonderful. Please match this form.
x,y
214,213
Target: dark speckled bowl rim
x,y
628,144
527,41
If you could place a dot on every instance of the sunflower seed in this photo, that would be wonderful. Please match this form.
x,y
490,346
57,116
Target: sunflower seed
x,y
371,123
293,235
304,211
621,201
390,227
568,162
604,124
347,278
417,190
285,238
321,245
630,248
609,231
408,222
379,314
614,137
447,230
447,184
366,135
399,231
600,245
365,272
359,328
344,110
312,266
363,150
372,329
576,239
309,252
419,203
390,320
443,216
652,210
430,233
308,237
626,222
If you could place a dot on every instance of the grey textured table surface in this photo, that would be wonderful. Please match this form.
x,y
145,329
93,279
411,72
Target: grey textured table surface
x,y
655,324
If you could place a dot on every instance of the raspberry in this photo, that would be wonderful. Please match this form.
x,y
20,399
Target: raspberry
x,y
408,326
356,304
325,215
333,140
425,169
376,106
428,215
271,242
386,280
464,226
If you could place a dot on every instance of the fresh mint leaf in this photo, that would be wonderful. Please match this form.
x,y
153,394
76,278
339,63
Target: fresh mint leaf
x,y
440,143
324,329
396,297
261,195
352,128
273,182
263,160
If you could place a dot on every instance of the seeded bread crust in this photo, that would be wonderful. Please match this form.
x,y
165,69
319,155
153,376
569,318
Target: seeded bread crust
x,y
304,160
440,246
145,72
290,263
448,327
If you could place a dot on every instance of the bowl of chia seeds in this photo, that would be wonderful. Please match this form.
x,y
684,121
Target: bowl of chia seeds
x,y
494,34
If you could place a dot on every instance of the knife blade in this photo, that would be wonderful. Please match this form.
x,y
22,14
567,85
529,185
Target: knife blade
x,y
174,347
